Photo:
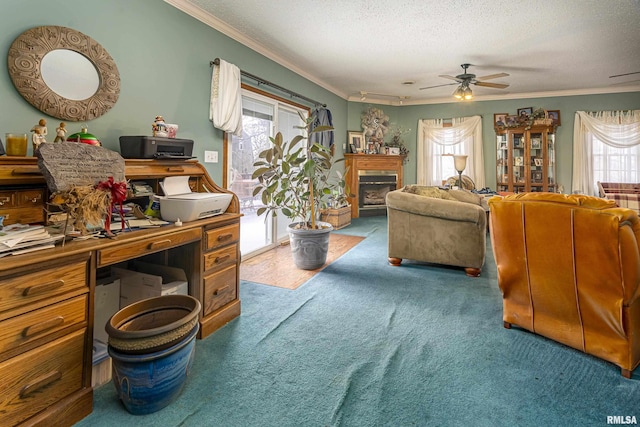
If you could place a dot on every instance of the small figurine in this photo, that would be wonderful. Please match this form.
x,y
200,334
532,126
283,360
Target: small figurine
x,y
159,127
61,132
42,126
37,138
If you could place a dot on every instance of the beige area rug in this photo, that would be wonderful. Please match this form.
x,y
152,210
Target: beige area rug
x,y
276,268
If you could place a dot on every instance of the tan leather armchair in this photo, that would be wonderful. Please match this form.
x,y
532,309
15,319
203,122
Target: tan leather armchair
x,y
569,270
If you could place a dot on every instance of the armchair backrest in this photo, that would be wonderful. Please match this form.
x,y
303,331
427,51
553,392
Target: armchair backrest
x,y
568,266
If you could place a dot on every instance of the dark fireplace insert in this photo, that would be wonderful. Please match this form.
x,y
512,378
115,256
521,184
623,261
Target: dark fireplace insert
x,y
373,186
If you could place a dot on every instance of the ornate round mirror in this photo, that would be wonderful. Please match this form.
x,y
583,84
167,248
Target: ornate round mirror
x,y
64,73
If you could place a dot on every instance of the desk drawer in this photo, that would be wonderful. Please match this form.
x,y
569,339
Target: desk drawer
x,y
221,236
39,378
221,257
30,326
220,289
21,290
24,206
132,250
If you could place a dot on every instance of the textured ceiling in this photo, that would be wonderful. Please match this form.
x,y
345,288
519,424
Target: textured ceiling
x,y
548,47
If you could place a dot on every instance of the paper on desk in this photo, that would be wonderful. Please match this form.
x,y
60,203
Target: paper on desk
x,y
138,223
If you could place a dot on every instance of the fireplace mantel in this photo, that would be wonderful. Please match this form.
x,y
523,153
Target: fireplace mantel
x,y
369,162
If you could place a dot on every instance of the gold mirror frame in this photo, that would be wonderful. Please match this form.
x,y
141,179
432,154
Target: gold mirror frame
x,y
24,61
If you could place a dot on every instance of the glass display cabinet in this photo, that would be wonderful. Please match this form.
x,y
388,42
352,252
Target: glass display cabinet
x,y
526,159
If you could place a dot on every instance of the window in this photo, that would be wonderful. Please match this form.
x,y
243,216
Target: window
x,y
606,148
436,138
263,116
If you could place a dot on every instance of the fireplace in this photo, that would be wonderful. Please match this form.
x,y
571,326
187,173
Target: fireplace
x,y
373,186
369,178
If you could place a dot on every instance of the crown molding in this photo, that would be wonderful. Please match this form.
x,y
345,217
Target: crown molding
x,y
218,25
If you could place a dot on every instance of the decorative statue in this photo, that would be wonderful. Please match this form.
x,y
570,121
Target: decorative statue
x,y
61,132
159,127
40,129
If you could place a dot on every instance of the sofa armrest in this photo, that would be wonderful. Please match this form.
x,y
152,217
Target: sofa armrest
x,y
434,207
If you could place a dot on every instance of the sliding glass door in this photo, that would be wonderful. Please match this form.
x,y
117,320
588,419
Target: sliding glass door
x,y
262,117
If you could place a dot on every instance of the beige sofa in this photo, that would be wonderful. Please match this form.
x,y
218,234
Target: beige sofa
x,y
437,226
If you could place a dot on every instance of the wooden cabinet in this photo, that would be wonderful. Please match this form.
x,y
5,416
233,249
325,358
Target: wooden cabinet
x,y
47,296
526,159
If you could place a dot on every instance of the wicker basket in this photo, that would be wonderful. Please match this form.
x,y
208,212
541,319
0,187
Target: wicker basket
x,y
544,121
338,218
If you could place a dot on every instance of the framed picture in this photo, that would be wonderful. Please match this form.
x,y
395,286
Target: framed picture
x,y
356,139
512,120
536,143
555,115
518,161
537,176
525,112
353,148
500,120
394,151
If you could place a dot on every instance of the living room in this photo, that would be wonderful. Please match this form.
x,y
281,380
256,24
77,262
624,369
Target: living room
x,y
483,376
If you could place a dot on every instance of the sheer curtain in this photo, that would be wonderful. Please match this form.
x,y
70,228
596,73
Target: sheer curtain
x,y
606,147
463,137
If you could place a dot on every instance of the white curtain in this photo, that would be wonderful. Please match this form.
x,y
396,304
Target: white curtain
x,y
464,136
616,129
225,109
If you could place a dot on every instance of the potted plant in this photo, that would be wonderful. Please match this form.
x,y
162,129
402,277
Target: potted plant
x,y
295,180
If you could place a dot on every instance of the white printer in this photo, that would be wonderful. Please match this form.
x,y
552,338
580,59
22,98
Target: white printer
x,y
179,202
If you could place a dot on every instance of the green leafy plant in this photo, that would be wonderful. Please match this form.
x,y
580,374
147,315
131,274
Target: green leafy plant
x,y
295,177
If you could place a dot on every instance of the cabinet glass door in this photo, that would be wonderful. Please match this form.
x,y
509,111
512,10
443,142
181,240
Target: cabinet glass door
x,y
502,163
518,150
536,162
551,160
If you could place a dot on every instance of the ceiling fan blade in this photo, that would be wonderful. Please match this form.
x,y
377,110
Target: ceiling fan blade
x,y
495,85
450,78
492,76
620,75
446,84
625,83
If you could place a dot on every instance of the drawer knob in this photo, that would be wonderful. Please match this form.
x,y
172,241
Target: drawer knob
x,y
223,237
222,290
39,383
41,327
45,287
220,259
160,244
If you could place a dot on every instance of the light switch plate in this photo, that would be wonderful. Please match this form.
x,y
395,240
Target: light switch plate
x,y
211,157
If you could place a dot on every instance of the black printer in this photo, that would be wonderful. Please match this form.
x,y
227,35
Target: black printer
x,y
154,147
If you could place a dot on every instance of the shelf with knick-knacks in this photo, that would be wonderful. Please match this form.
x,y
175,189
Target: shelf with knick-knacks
x,y
525,159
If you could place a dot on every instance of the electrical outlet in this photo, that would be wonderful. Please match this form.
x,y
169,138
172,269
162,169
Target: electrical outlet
x,y
211,157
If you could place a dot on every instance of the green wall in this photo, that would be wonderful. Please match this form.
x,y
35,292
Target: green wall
x,y
163,58
408,116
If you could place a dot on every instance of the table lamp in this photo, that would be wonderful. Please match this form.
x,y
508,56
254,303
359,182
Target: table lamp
x,y
460,163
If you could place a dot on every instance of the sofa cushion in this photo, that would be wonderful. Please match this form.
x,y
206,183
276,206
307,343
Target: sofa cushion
x,y
428,191
465,196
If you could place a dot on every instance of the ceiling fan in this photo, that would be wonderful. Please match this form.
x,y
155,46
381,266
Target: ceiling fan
x,y
465,79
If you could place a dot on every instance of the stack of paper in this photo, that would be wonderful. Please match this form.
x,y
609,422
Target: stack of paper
x,y
18,239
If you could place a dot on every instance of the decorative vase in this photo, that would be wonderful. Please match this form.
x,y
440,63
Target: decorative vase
x,y
309,247
148,382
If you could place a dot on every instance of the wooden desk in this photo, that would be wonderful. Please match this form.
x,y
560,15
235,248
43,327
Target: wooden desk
x,y
47,296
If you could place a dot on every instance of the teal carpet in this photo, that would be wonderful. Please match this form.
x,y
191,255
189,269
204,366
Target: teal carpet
x,y
366,344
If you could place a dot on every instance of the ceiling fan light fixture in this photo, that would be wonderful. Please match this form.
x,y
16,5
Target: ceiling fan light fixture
x,y
458,93
468,94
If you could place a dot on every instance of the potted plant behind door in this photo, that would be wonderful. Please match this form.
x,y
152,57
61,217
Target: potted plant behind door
x,y
295,179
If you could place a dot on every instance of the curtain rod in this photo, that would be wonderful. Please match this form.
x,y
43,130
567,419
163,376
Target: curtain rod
x,y
273,85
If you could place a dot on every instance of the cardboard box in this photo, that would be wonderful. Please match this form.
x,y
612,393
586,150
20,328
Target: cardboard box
x,y
146,280
106,304
101,364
